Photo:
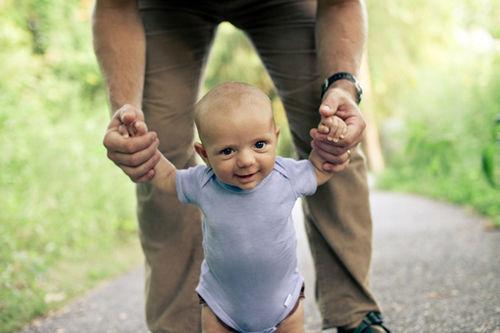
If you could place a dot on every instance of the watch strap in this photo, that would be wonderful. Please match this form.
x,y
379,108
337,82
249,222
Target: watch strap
x,y
343,76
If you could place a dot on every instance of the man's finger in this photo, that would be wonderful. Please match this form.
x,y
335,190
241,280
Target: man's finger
x,y
331,149
335,167
136,159
147,177
354,133
141,171
333,99
339,158
116,143
115,122
328,108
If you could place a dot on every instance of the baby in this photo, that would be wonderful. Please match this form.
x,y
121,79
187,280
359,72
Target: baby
x,y
249,278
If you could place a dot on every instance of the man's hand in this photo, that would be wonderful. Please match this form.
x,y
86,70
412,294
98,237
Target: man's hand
x,y
135,155
340,102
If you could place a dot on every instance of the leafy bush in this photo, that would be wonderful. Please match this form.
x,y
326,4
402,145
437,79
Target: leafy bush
x,y
59,195
441,91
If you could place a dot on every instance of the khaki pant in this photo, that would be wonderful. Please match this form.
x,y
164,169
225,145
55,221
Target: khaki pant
x,y
179,35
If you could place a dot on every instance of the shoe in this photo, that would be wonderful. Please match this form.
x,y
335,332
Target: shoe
x,y
371,323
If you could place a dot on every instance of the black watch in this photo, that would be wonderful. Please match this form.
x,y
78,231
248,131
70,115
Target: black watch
x,y
343,76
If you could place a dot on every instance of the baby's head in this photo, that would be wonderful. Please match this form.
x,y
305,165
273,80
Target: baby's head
x,y
238,134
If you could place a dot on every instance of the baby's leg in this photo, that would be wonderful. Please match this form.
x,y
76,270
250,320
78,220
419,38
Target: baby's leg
x,y
210,323
294,323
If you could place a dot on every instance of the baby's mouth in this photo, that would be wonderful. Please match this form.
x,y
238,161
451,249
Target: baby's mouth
x,y
246,176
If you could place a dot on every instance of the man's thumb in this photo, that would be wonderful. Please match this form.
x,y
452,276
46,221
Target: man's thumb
x,y
328,107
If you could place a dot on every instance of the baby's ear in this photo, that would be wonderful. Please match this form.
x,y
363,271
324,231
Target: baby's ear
x,y
198,147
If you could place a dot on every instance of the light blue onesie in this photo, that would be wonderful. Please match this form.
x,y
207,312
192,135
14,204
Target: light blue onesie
x,y
249,276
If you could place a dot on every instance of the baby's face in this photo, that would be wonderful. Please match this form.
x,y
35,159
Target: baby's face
x,y
241,149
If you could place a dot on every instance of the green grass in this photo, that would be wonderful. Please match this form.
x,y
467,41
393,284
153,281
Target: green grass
x,y
63,203
447,145
441,162
72,275
470,191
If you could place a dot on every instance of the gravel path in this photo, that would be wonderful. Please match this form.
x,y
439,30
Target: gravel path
x,y
436,268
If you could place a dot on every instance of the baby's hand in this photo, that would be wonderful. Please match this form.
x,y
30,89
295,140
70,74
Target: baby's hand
x,y
136,128
334,127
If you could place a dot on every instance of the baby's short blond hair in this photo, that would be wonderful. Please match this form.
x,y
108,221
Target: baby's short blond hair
x,y
226,99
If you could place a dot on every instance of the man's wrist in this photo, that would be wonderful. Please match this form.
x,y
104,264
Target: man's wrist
x,y
345,86
117,104
345,81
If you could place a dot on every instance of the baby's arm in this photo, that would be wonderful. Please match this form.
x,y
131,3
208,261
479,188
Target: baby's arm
x,y
164,178
336,129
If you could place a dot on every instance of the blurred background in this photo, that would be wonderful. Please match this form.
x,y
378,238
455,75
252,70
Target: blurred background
x,y
67,214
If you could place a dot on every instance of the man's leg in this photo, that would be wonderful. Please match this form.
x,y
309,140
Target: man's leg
x,y
177,45
338,215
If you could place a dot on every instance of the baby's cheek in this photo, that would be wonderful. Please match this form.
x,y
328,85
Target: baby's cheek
x,y
223,169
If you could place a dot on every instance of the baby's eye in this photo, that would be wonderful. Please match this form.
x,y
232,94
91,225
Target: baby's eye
x,y
260,144
226,151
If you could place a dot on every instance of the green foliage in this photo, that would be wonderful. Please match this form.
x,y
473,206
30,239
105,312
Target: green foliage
x,y
491,156
59,195
436,77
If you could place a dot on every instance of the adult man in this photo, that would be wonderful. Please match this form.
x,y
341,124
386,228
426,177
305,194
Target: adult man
x,y
152,54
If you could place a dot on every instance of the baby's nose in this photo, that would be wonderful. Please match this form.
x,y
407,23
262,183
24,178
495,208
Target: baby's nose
x,y
245,159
